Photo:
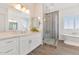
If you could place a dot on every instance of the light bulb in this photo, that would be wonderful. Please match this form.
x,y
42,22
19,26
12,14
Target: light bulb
x,y
10,20
18,6
39,17
23,9
27,11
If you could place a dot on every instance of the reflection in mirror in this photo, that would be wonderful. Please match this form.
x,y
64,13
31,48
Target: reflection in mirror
x,y
35,24
25,24
13,26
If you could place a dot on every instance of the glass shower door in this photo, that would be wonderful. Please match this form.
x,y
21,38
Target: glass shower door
x,y
51,28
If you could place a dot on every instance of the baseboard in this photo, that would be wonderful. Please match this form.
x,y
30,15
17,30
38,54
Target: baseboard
x,y
34,49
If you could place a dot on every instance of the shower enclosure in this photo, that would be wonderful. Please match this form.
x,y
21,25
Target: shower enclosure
x,y
51,28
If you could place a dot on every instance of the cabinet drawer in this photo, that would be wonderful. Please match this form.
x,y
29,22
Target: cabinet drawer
x,y
8,42
9,46
9,50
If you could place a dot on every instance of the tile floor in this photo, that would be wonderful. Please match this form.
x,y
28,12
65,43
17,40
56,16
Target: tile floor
x,y
62,49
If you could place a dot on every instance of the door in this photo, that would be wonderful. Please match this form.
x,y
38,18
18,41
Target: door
x,y
51,28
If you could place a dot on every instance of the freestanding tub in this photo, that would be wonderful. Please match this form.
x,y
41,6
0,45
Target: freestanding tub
x,y
71,39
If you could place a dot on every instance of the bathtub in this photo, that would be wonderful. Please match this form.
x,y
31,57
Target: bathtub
x,y
71,39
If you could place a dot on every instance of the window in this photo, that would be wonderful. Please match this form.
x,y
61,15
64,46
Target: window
x,y
12,26
77,22
71,22
68,22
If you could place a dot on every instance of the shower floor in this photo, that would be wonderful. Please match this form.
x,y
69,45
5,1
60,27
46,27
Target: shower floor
x,y
50,41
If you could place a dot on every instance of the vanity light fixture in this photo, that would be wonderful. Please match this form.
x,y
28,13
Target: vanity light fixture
x,y
23,9
39,17
18,6
27,11
12,20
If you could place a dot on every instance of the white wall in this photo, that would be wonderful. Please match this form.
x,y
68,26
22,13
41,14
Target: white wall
x,y
9,1
64,10
39,13
71,11
36,10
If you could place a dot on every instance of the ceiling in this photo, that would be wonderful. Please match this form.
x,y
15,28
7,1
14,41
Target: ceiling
x,y
60,5
49,5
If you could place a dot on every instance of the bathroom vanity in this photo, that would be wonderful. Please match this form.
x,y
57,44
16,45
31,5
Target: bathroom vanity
x,y
19,43
15,35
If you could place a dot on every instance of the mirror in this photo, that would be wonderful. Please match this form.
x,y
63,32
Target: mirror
x,y
18,20
36,22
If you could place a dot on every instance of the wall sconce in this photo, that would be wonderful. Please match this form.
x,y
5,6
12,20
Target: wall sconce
x,y
45,20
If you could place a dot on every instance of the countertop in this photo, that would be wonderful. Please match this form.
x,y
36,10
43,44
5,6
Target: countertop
x,y
6,35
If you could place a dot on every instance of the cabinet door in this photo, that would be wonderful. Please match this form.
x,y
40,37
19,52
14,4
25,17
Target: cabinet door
x,y
35,41
29,43
2,22
24,45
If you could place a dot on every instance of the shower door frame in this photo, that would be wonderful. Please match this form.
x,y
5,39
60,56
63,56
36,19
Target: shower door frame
x,y
57,25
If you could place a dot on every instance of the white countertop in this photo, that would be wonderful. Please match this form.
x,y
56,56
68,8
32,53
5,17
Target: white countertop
x,y
6,35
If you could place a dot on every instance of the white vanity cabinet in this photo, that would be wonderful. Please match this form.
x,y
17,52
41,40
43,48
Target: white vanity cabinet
x,y
29,43
19,45
9,46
